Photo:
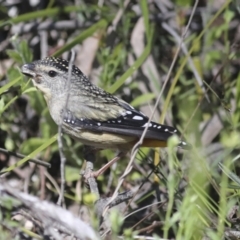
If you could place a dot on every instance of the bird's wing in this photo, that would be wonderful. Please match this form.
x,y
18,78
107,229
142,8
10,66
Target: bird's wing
x,y
117,117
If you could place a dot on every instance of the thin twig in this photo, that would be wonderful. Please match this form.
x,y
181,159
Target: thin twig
x,y
200,101
60,144
19,155
117,18
150,227
190,61
91,180
142,208
143,182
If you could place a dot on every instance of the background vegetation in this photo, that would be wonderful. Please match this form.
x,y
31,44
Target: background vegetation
x,y
128,48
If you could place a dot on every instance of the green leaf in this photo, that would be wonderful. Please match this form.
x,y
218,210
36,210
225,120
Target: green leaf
x,y
144,7
229,173
71,174
143,99
21,53
14,55
89,198
9,144
14,73
25,51
31,144
31,89
1,105
8,85
116,219
228,15
8,104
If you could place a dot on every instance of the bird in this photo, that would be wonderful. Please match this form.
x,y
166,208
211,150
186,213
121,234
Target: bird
x,y
91,115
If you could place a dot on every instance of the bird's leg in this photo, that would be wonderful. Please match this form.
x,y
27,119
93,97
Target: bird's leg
x,y
97,173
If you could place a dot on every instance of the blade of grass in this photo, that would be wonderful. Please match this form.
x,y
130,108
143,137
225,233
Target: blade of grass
x,y
8,104
31,155
8,85
51,12
145,12
230,174
135,65
82,36
171,185
222,212
180,69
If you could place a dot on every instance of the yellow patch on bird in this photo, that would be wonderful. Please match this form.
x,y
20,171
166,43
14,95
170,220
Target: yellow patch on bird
x,y
153,143
46,91
103,140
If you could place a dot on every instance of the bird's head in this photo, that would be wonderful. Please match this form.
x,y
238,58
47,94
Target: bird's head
x,y
50,75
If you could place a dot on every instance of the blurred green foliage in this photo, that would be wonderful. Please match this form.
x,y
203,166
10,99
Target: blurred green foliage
x,y
197,188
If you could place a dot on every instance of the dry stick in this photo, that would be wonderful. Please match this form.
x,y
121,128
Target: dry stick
x,y
50,215
43,43
53,182
145,207
117,17
136,146
60,144
150,227
134,195
90,157
130,197
19,155
232,234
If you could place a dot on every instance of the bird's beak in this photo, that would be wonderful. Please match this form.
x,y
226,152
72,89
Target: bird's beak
x,y
29,70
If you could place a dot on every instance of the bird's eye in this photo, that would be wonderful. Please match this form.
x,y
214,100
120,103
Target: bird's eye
x,y
52,73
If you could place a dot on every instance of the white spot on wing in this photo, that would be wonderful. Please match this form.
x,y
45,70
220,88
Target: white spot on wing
x,y
138,118
149,125
159,127
128,112
99,124
166,130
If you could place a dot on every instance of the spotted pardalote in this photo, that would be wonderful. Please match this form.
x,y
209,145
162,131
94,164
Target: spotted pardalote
x,y
92,115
